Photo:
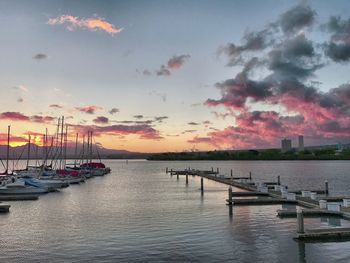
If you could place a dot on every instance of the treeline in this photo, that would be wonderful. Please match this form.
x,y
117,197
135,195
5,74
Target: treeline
x,y
273,154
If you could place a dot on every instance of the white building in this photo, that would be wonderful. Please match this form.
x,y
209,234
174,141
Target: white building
x,y
286,145
301,143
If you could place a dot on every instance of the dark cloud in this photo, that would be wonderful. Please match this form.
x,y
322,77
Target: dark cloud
x,y
188,131
252,41
163,71
297,18
40,56
101,120
193,123
160,118
56,106
146,72
113,111
338,52
177,62
338,48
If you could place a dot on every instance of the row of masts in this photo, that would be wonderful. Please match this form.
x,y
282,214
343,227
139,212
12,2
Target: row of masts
x,y
55,148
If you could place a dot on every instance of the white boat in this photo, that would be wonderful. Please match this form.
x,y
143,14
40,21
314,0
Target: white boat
x,y
19,187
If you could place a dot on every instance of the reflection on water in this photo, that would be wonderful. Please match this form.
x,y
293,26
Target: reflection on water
x,y
139,214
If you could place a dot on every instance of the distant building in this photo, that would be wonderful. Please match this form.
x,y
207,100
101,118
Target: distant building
x,y
301,143
286,145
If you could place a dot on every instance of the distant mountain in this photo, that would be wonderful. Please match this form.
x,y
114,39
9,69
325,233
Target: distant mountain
x,y
21,152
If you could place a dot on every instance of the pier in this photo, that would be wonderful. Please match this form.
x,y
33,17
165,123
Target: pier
x,y
274,193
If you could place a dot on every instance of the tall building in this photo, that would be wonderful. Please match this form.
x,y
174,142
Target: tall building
x,y
286,145
301,143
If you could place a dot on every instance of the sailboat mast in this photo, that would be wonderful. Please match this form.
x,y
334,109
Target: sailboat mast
x,y
88,148
76,150
8,148
91,147
65,147
61,143
83,151
28,156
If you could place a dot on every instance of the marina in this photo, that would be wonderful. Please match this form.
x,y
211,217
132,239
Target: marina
x,y
104,217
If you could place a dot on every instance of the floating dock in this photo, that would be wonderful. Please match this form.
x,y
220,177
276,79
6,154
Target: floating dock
x,y
273,193
18,197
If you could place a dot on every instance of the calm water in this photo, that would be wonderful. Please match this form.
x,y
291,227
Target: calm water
x,y
139,214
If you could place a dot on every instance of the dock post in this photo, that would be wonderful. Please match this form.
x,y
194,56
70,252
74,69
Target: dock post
x,y
166,170
231,173
186,178
217,170
326,186
171,172
212,169
250,175
300,218
230,196
177,176
202,186
278,180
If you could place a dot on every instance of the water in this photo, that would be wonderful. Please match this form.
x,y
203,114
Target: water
x,y
139,214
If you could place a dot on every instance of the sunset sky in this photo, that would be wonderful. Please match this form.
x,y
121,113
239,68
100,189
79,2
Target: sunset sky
x,y
153,76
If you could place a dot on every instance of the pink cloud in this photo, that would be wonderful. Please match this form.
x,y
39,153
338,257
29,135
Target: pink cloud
x,y
17,116
144,131
92,24
89,109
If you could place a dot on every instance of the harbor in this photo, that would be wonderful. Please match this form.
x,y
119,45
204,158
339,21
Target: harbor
x,y
107,216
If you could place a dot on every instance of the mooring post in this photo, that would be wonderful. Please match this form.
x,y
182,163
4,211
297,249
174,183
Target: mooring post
x,y
217,170
326,186
231,173
171,171
177,176
202,186
230,196
212,169
166,170
300,218
278,180
186,178
250,175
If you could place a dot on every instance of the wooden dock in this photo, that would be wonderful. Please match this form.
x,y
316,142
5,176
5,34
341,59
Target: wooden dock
x,y
18,197
327,234
261,201
308,213
267,195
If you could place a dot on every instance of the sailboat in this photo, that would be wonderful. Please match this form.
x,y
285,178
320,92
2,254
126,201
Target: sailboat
x,y
11,185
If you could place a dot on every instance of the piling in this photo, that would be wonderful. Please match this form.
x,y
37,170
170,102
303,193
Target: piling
x,y
217,170
202,187
186,178
230,196
171,172
177,176
212,169
166,170
300,218
231,173
326,187
278,180
250,175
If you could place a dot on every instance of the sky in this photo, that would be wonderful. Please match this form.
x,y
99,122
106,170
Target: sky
x,y
156,76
